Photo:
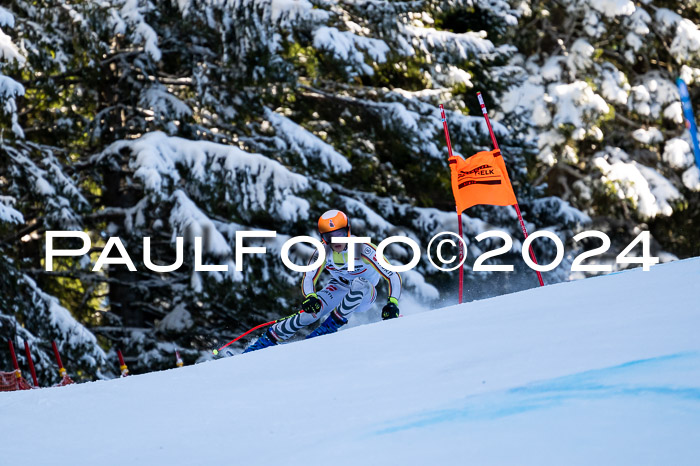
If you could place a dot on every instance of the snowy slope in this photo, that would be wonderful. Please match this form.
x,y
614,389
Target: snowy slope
x,y
598,371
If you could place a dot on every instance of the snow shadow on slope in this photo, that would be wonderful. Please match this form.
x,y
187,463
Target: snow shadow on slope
x,y
657,380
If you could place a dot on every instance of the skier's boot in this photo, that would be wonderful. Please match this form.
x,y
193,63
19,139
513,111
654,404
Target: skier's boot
x,y
268,339
330,325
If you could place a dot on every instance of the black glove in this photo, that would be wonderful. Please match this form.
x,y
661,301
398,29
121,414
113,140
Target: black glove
x,y
311,305
390,311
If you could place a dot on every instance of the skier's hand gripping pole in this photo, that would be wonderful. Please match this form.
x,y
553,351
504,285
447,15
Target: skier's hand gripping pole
x,y
311,305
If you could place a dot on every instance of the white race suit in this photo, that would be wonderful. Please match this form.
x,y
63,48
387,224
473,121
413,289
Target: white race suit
x,y
347,291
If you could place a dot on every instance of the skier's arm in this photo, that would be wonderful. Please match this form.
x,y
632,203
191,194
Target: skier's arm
x,y
393,279
309,279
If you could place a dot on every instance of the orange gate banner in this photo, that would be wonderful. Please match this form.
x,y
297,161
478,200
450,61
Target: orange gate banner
x,y
481,179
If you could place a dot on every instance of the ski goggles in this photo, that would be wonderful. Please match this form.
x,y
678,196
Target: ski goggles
x,y
326,237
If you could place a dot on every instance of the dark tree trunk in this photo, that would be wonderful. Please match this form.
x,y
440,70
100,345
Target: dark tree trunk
x,y
123,289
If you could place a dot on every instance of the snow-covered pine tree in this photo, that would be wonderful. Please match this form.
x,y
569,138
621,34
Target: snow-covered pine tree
x,y
37,194
203,118
251,115
596,86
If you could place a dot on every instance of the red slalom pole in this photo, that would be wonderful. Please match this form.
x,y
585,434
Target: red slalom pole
x,y
31,363
122,364
18,373
459,214
61,370
517,208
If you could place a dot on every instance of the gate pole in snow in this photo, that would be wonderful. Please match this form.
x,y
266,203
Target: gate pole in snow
x,y
122,364
18,374
31,363
459,214
689,118
517,208
61,370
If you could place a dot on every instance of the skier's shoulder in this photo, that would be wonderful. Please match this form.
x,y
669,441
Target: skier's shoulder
x,y
368,250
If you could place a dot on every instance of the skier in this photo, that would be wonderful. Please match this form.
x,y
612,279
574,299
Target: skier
x,y
345,293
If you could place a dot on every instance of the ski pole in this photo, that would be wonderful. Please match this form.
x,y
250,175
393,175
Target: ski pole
x,y
216,351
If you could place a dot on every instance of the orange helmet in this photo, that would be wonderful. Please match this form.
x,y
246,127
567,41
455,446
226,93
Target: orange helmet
x,y
333,221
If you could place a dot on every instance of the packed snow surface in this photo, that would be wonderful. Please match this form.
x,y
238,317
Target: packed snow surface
x,y
598,371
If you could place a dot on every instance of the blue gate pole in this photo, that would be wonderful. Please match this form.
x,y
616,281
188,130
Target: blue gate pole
x,y
689,118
